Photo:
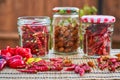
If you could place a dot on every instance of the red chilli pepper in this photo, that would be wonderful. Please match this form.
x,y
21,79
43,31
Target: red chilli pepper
x,y
56,67
72,68
42,68
28,71
60,60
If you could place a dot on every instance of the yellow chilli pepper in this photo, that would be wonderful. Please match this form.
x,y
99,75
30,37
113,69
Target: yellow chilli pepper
x,y
31,60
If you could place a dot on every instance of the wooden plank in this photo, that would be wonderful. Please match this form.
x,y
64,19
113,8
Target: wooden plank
x,y
38,9
49,5
9,36
112,7
8,42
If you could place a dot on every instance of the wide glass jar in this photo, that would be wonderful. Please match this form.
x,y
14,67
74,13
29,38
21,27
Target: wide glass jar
x,y
34,34
97,31
65,30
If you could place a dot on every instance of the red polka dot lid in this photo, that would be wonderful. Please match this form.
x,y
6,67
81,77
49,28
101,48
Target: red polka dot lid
x,y
98,19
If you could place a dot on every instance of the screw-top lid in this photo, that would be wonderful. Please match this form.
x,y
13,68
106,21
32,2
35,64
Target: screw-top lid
x,y
98,19
66,10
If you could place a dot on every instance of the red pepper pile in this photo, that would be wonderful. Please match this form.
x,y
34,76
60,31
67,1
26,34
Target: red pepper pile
x,y
97,39
13,57
35,37
54,64
106,62
21,59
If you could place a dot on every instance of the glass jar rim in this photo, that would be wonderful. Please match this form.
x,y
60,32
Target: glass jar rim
x,y
34,19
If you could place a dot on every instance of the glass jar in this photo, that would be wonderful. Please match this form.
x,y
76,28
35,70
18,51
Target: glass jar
x,y
97,31
65,30
34,34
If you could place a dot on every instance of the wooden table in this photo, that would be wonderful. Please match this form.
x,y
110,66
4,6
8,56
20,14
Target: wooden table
x,y
12,74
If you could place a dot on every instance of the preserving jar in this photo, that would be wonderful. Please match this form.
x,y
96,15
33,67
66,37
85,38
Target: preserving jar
x,y
34,34
97,31
65,30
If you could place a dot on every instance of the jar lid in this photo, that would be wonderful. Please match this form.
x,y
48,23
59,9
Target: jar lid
x,y
66,10
98,19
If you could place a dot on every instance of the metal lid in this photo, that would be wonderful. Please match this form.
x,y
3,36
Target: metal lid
x,y
66,10
98,19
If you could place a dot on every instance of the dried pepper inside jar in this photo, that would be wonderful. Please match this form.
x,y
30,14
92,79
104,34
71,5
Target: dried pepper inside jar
x,y
97,31
34,34
65,30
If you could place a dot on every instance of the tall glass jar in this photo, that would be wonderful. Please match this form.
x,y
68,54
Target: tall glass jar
x,y
97,31
34,34
65,30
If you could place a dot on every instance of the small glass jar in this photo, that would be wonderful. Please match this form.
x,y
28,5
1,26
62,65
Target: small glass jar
x,y
97,31
65,30
34,34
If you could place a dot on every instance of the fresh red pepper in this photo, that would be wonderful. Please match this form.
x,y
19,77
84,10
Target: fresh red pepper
x,y
14,57
2,63
24,52
17,63
5,52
